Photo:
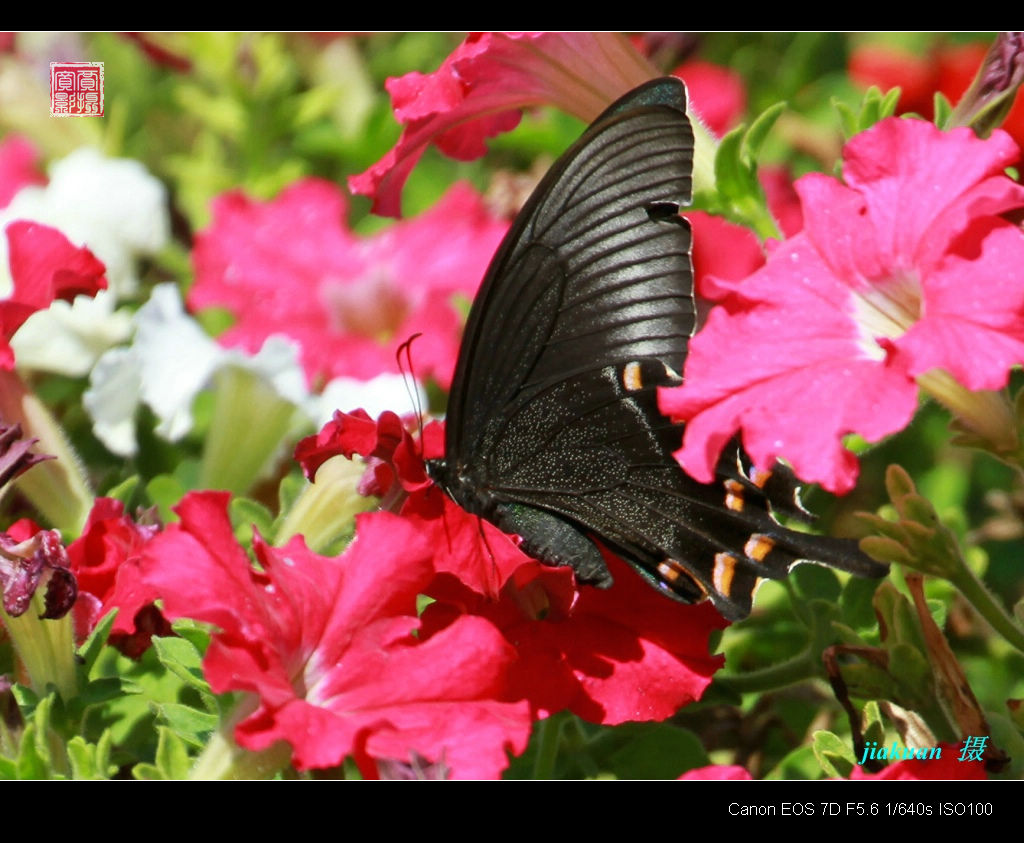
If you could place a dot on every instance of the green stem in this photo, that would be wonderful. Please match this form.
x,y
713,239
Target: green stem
x,y
223,759
705,148
46,649
987,415
986,605
549,732
804,666
759,217
249,422
327,508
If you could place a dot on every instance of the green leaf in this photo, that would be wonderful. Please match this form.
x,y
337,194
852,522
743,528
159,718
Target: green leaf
x,y
99,691
165,491
816,581
758,132
196,632
172,755
866,680
738,194
833,754
288,491
654,751
874,728
36,752
90,651
188,723
182,659
1009,737
91,761
33,761
172,759
846,635
8,769
873,107
914,673
898,482
799,764
856,602
729,180
126,490
847,118
885,549
249,515
26,698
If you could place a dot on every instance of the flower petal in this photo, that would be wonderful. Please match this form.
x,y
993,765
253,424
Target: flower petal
x,y
477,91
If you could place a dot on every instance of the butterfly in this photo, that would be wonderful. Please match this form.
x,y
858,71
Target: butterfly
x,y
553,430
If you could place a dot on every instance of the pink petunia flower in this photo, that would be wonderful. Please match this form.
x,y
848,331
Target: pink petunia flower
x,y
479,89
717,772
328,647
626,653
18,167
904,270
44,266
290,267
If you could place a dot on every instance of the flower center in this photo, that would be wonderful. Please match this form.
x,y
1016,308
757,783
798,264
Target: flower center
x,y
371,306
886,309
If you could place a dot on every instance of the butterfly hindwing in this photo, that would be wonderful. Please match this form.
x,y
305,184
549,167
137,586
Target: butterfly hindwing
x,y
553,429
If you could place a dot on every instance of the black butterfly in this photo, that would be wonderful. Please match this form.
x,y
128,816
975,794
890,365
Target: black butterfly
x,y
553,429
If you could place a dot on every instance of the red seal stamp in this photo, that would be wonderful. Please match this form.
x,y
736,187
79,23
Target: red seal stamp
x,y
76,89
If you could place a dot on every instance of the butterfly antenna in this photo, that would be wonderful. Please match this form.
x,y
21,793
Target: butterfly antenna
x,y
408,372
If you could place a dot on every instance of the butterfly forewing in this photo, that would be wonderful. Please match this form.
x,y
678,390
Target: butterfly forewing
x,y
553,429
585,277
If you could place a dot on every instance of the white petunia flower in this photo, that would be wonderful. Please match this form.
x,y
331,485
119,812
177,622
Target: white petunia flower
x,y
119,211
384,392
168,363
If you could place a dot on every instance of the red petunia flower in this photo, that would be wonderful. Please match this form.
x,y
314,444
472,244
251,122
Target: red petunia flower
x,y
44,266
904,269
328,647
105,559
947,69
290,267
479,89
721,249
609,656
782,199
626,653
